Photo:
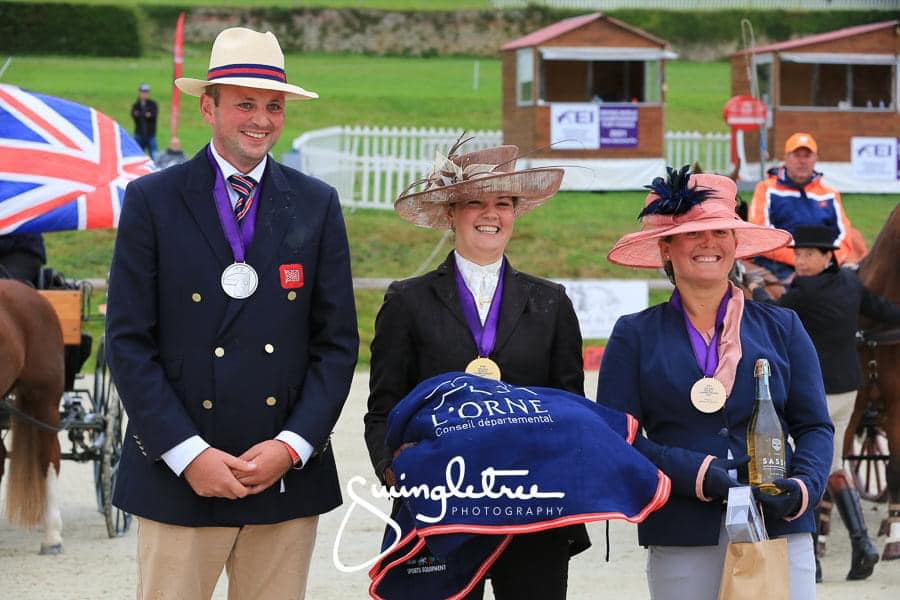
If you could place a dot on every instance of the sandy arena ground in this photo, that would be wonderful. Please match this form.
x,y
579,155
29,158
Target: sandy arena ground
x,y
95,567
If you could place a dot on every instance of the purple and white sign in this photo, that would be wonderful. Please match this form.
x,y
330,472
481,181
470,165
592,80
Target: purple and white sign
x,y
618,126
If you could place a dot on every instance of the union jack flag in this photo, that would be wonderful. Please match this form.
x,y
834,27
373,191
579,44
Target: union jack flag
x,y
62,165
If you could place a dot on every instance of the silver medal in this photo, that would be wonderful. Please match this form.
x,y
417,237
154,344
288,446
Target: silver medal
x,y
239,280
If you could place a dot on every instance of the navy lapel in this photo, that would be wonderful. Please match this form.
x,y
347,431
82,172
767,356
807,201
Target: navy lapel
x,y
198,197
515,299
273,217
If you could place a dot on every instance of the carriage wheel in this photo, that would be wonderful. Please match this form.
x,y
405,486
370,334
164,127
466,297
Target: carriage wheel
x,y
117,520
868,463
101,383
108,405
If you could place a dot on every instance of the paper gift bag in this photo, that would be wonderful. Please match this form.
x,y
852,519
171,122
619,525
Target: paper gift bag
x,y
757,570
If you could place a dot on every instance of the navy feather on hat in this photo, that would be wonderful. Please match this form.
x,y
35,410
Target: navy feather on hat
x,y
675,197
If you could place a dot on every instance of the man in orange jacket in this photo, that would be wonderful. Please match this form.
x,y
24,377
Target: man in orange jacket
x,y
794,194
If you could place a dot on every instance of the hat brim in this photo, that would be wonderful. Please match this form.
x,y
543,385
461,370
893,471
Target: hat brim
x,y
197,87
815,245
641,249
531,188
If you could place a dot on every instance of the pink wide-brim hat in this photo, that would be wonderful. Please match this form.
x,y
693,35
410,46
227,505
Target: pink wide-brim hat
x,y
641,249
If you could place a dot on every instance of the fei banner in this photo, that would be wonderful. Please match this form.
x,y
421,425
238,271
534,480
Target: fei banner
x,y
574,126
592,126
875,158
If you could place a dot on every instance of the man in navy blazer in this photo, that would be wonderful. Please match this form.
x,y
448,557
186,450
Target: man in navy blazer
x,y
232,340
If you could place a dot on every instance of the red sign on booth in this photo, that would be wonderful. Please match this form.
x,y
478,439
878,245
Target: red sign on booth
x,y
744,112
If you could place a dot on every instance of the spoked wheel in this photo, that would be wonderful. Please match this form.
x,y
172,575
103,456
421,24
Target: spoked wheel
x,y
868,462
108,405
117,520
101,375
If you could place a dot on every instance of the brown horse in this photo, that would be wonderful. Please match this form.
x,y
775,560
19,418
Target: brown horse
x,y
32,378
880,272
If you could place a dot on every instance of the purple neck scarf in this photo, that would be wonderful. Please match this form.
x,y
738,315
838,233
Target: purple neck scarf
x,y
238,240
484,335
707,356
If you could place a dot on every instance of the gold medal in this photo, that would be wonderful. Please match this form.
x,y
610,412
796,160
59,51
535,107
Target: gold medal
x,y
708,395
484,367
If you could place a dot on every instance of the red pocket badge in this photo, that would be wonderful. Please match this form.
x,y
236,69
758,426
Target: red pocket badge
x,y
291,276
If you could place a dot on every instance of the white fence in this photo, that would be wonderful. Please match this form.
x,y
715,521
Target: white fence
x,y
709,149
697,5
371,166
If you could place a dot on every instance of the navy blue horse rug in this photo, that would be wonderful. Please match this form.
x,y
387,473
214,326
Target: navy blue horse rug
x,y
482,461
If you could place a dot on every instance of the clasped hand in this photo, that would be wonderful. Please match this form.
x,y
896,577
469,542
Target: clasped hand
x,y
218,474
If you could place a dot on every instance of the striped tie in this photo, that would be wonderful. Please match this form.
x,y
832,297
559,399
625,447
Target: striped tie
x,y
243,185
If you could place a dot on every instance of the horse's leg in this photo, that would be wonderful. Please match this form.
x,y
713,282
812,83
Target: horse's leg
x,y
52,542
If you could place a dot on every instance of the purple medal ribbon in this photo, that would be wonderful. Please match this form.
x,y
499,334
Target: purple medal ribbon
x,y
707,356
484,335
238,240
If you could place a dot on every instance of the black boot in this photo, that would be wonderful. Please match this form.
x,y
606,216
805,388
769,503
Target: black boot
x,y
865,555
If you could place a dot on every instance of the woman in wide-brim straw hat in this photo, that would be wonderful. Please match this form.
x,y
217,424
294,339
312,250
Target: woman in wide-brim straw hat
x,y
526,329
685,369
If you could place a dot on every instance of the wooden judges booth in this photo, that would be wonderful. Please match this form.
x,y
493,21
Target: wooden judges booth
x,y
587,93
842,87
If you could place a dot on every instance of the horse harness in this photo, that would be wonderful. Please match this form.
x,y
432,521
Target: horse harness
x,y
872,339
8,409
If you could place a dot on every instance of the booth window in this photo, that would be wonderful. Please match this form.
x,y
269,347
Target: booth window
x,y
601,81
525,77
839,86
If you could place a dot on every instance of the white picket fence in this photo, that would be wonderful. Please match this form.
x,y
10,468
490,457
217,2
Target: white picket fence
x,y
698,5
371,166
710,150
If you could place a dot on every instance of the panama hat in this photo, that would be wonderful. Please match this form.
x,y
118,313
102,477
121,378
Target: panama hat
x,y
459,177
245,58
685,203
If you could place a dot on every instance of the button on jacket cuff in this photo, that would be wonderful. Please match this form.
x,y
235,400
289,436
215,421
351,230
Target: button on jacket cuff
x,y
179,457
300,446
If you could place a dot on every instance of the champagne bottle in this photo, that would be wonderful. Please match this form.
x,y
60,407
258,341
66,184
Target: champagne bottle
x,y
765,438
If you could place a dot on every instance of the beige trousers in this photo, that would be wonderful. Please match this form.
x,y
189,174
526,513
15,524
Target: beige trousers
x,y
262,561
840,408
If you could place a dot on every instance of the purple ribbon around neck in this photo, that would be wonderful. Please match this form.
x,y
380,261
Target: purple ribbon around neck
x,y
238,240
484,335
707,356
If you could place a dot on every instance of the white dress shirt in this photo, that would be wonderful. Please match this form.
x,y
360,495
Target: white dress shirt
x,y
481,281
